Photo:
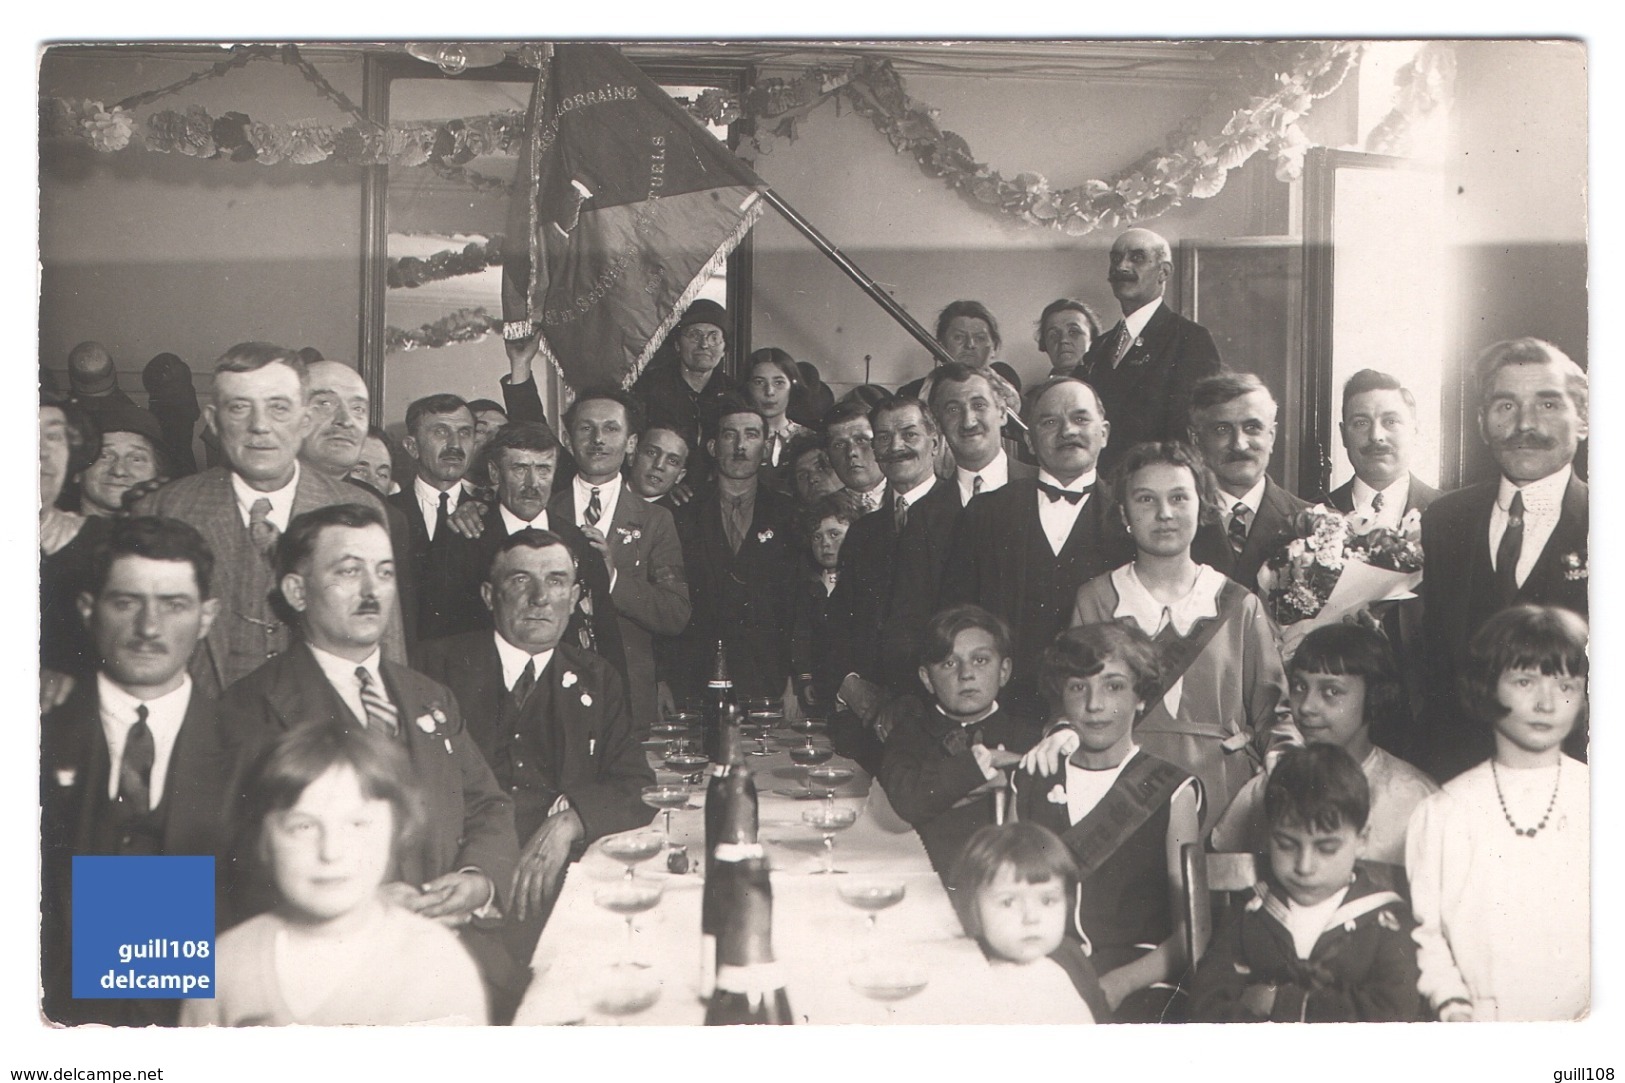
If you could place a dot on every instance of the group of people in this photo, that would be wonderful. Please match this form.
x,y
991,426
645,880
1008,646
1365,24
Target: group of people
x,y
396,712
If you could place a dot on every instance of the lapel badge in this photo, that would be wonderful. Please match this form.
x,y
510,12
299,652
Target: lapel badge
x,y
586,699
568,680
1057,794
764,537
1388,921
67,776
1574,567
629,534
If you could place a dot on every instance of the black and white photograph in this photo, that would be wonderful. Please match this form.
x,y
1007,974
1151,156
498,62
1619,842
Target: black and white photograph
x,y
955,539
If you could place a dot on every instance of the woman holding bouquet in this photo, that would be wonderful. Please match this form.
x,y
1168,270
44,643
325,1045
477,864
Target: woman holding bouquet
x,y
1221,705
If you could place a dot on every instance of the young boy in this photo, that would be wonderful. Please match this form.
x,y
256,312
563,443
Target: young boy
x,y
943,760
1317,942
1343,683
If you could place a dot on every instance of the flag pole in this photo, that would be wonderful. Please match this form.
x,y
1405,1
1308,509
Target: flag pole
x,y
855,273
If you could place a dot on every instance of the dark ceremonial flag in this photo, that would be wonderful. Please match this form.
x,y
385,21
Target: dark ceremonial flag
x,y
625,206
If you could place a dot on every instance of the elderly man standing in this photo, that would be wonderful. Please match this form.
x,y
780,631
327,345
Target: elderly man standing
x,y
550,718
242,508
685,393
1145,366
971,415
1232,423
1518,540
1023,550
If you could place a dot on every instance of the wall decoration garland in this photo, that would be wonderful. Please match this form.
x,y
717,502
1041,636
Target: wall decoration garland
x,y
1421,88
410,272
464,325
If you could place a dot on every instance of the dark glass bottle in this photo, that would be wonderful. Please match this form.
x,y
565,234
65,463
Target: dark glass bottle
x,y
749,984
730,819
720,706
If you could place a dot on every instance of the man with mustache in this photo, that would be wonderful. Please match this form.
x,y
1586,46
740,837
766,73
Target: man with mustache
x,y
1517,540
1232,423
739,547
1378,429
241,508
971,415
683,389
1145,367
891,562
337,572
1022,551
132,763
443,564
850,438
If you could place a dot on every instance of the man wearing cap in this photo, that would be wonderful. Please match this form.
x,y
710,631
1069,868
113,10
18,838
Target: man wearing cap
x,y
93,378
683,391
131,455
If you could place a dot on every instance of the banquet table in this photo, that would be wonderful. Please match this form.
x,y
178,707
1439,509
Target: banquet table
x,y
820,941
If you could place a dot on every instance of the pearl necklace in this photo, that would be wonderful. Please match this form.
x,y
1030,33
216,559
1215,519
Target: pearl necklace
x,y
1526,832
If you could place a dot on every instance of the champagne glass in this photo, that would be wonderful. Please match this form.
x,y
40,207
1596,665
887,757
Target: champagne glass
x,y
633,848
622,990
872,896
809,756
629,899
666,796
828,777
827,820
888,980
809,726
755,727
691,765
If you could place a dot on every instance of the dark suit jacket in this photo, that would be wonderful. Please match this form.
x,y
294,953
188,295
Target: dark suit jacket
x,y
743,599
1420,495
400,540
888,589
651,586
1001,560
1147,396
587,748
447,573
250,627
469,821
75,820
1459,594
1272,525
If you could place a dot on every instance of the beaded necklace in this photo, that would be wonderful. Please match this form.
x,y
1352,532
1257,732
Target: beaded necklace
x,y
1526,832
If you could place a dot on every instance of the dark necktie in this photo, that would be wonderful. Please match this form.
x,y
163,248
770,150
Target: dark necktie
x,y
595,510
1055,492
381,713
261,531
1376,504
733,520
135,770
900,512
441,516
976,485
1510,549
527,681
1238,526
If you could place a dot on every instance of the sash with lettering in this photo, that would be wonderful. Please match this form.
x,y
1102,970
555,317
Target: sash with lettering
x,y
624,207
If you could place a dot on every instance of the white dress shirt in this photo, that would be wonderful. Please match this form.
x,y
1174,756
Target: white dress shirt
x,y
281,499
1135,322
514,660
340,673
164,717
994,476
1306,923
1135,601
1252,498
609,497
1394,499
1058,516
919,492
1542,507
512,523
429,501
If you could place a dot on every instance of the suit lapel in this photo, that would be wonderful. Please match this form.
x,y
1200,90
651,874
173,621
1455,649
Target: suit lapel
x,y
1270,522
195,764
1152,342
1568,538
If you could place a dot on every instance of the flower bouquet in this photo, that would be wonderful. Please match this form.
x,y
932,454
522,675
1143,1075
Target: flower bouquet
x,y
1336,564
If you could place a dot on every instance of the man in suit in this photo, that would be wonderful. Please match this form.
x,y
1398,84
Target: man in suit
x,y
739,548
1517,540
971,416
684,389
241,509
637,539
551,719
850,439
339,406
444,563
1232,423
1023,550
1378,430
337,572
132,763
1145,367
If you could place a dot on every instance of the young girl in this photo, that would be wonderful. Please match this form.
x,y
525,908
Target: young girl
x,y
1220,707
331,809
1013,887
1499,860
770,382
1345,686
1125,814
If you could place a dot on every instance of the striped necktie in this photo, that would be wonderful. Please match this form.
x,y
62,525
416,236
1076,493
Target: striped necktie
x,y
1238,526
261,531
1124,341
380,712
595,509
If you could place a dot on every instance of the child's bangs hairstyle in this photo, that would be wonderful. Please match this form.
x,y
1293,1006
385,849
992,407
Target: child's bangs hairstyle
x,y
1547,639
1320,788
938,635
1083,652
303,755
1034,853
1353,650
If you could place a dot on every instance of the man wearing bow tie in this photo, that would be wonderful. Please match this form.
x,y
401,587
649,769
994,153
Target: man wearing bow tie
x,y
1144,368
133,762
1022,551
551,719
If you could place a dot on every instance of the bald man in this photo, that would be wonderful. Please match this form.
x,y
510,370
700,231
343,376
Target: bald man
x,y
1144,368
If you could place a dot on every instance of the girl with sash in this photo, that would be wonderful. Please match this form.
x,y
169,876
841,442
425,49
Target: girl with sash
x,y
1221,706
1124,813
